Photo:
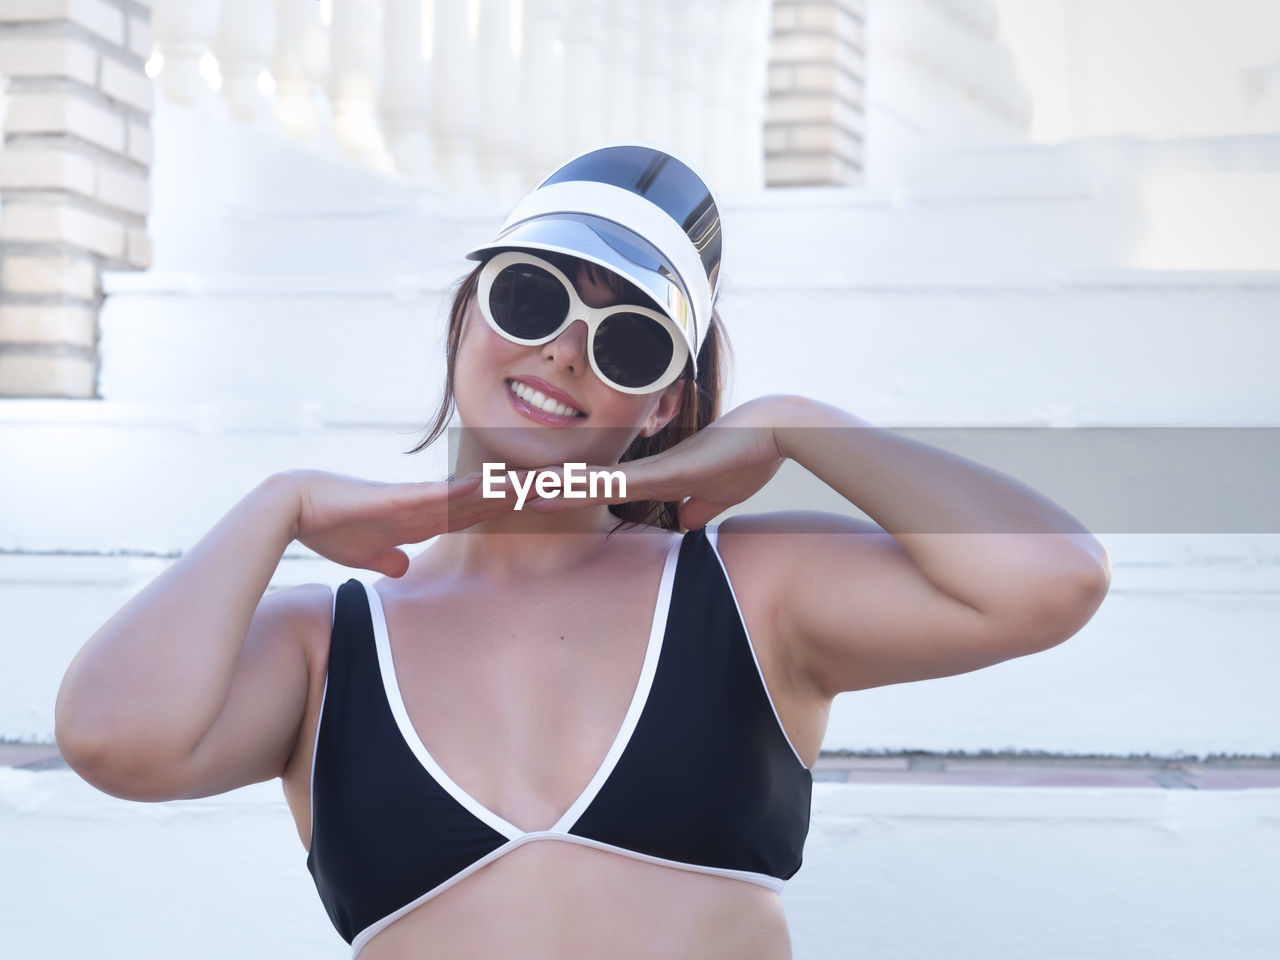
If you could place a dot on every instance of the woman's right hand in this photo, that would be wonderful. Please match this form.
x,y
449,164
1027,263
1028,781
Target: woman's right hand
x,y
361,523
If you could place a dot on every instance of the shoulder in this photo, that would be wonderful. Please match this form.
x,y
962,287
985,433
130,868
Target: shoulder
x,y
301,616
307,607
795,523
765,553
763,544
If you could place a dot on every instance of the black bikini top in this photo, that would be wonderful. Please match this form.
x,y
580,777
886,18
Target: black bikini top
x,y
701,776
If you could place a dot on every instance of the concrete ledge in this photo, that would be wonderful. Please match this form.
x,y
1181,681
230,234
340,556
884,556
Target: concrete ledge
x,y
401,286
929,769
894,872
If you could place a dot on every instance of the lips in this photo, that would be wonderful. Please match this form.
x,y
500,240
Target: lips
x,y
543,397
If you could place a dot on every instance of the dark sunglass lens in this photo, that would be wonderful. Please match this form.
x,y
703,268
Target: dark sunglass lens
x,y
632,350
527,301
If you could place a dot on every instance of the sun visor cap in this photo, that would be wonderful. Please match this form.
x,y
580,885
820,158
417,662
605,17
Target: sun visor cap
x,y
609,245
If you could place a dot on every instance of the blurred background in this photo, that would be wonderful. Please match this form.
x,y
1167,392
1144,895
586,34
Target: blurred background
x,y
227,230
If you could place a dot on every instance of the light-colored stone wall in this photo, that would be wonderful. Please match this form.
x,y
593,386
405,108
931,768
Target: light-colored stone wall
x,y
940,78
817,71
74,181
1146,68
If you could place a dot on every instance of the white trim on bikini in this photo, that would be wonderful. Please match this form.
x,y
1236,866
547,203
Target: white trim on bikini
x,y
387,669
657,630
391,685
713,535
371,931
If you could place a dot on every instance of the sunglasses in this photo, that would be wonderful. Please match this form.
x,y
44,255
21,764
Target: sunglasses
x,y
530,301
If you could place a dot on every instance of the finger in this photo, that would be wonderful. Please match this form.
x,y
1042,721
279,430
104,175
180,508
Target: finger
x,y
610,485
483,493
464,485
663,477
478,507
393,563
416,494
551,479
556,504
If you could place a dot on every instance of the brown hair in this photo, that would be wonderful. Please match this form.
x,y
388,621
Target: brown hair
x,y
699,401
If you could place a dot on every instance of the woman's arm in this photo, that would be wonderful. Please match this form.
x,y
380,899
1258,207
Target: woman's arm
x,y
150,683
969,567
199,683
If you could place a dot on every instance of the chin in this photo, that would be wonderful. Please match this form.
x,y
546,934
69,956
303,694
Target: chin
x,y
530,447
534,447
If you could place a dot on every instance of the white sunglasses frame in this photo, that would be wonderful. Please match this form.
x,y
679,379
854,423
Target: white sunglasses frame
x,y
592,316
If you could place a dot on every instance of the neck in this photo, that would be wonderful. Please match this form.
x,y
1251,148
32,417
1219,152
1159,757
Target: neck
x,y
524,545
552,541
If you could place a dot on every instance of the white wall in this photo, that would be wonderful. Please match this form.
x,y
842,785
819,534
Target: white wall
x,y
1146,68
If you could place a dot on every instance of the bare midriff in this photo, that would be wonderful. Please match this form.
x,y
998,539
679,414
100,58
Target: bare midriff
x,y
551,900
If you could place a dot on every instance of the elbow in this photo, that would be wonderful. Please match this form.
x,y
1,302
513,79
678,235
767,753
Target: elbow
x,y
1090,582
1042,609
89,756
87,751
90,759
1066,603
108,762
74,736
127,778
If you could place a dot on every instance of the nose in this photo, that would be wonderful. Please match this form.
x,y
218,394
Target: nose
x,y
569,350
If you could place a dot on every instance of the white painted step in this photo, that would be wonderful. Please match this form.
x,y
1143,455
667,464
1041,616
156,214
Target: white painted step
x,y
111,477
1007,873
231,201
798,235
1114,347
1095,165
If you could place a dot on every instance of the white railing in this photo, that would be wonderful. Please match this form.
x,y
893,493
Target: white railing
x,y
480,95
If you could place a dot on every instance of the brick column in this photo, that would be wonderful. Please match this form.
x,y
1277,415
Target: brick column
x,y
73,174
817,71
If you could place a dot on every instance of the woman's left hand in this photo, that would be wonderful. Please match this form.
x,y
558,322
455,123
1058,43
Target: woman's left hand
x,y
721,465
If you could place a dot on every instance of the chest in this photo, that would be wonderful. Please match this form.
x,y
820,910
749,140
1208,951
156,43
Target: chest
x,y
519,698
681,761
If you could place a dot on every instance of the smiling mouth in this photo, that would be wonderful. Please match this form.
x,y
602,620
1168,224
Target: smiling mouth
x,y
540,401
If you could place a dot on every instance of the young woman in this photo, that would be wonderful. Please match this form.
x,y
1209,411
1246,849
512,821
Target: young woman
x,y
593,738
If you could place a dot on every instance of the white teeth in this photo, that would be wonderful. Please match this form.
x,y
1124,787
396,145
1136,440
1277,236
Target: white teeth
x,y
535,398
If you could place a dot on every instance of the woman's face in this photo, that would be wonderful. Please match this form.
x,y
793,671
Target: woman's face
x,y
601,423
